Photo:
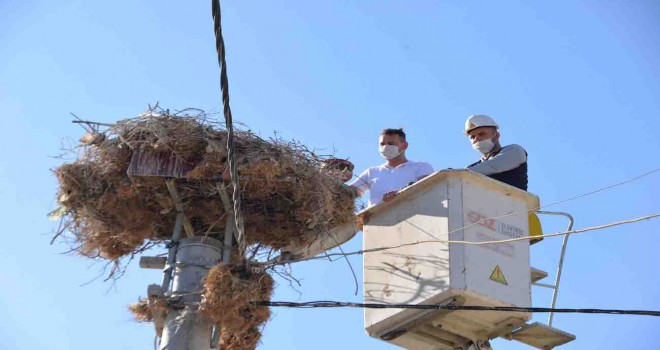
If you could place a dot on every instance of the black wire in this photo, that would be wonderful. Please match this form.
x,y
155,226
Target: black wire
x,y
231,148
331,304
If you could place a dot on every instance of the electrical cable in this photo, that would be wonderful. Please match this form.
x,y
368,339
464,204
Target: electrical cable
x,y
231,147
561,201
587,229
339,304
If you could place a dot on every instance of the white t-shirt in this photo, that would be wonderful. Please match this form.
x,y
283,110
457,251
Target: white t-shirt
x,y
381,179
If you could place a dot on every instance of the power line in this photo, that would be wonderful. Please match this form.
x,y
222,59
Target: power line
x,y
338,304
602,188
561,201
562,233
587,229
231,148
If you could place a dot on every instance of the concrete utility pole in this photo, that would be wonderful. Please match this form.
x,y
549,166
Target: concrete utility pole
x,y
185,328
189,261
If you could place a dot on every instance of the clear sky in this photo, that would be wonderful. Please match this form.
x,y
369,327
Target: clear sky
x,y
576,83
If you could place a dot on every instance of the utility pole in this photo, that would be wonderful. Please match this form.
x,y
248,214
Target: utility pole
x,y
185,327
187,264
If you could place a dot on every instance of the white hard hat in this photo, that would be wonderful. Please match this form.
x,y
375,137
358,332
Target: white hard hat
x,y
477,121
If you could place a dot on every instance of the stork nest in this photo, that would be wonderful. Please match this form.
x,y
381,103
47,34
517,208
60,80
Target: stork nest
x,y
115,200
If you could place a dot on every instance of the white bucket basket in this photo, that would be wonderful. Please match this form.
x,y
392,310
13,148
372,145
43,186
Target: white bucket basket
x,y
452,205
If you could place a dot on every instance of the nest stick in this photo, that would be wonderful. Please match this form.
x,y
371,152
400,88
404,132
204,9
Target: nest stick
x,y
187,226
91,123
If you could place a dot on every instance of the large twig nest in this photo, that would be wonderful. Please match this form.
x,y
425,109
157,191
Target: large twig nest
x,y
115,198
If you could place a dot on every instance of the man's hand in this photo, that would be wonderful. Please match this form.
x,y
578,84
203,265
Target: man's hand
x,y
389,196
342,169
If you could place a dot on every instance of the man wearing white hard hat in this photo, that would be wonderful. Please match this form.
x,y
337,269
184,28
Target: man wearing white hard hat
x,y
507,164
385,180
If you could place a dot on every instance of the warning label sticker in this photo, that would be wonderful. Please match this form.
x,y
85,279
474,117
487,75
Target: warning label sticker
x,y
498,276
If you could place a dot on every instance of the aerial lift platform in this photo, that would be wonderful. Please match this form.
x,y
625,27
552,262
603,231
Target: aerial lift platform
x,y
423,268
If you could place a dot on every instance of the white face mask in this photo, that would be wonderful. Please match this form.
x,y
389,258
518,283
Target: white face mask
x,y
484,146
389,151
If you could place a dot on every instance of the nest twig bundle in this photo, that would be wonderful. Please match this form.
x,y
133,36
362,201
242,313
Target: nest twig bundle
x,y
228,294
116,199
141,311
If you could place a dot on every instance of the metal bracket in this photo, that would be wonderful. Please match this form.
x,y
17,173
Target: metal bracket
x,y
153,262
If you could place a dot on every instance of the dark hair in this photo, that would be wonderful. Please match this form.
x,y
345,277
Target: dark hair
x,y
399,132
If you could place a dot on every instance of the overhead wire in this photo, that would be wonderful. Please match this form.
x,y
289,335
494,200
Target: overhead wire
x,y
339,304
231,147
560,201
562,233
444,306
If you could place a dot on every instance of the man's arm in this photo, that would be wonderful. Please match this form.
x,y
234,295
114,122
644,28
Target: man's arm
x,y
361,183
509,158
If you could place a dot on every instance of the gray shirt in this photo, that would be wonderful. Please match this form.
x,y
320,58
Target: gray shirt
x,y
508,158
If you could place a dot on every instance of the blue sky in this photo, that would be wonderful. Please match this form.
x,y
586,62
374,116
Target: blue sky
x,y
575,83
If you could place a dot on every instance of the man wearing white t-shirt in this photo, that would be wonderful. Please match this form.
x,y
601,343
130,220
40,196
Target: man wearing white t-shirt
x,y
384,181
